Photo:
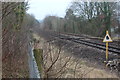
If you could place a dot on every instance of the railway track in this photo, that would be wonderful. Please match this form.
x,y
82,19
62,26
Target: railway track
x,y
115,63
90,55
81,40
86,41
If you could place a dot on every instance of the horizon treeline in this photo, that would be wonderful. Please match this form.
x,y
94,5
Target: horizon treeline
x,y
90,18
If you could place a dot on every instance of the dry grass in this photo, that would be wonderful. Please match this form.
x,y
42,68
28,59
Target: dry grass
x,y
74,68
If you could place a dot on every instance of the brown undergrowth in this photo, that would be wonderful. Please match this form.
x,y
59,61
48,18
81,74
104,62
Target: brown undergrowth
x,y
58,63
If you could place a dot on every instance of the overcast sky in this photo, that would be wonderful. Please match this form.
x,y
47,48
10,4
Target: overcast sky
x,y
41,8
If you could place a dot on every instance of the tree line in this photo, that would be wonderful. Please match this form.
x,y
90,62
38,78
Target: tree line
x,y
90,18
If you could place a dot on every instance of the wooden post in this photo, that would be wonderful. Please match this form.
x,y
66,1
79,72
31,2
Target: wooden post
x,y
38,54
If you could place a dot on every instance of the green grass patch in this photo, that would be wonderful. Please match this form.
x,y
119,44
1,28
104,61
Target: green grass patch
x,y
38,57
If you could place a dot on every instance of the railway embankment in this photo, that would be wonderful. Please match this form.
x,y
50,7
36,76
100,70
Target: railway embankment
x,y
66,59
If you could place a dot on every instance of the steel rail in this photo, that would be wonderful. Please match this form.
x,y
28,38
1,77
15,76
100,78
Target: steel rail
x,y
92,44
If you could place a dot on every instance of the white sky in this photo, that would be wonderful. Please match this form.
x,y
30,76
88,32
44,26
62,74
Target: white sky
x,y
41,8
